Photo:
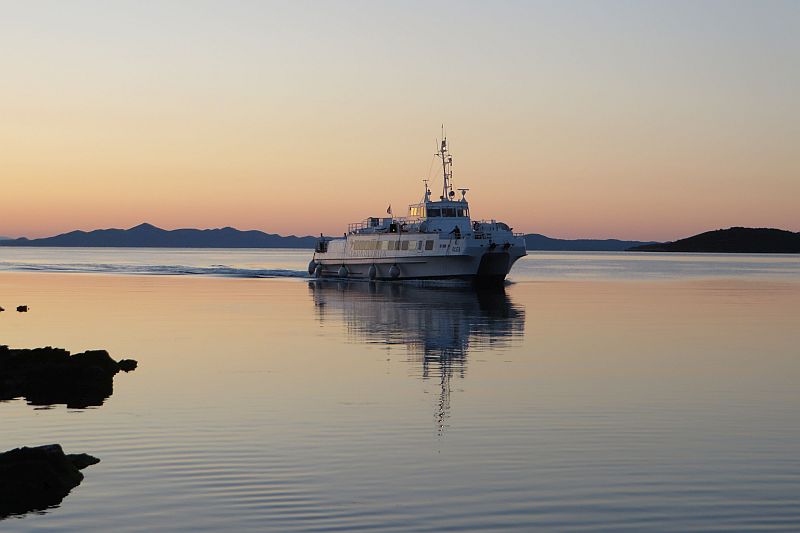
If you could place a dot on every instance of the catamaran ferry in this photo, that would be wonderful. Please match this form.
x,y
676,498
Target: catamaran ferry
x,y
437,240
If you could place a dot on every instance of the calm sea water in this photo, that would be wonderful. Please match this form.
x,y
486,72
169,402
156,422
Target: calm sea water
x,y
596,391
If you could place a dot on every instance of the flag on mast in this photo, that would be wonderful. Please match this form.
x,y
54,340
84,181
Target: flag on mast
x,y
389,209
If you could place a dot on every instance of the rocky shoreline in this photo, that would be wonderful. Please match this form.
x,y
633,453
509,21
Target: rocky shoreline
x,y
47,376
34,479
37,478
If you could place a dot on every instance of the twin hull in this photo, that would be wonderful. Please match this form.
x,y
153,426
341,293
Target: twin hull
x,y
430,257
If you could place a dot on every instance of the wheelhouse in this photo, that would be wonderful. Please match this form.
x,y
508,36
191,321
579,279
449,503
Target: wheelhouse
x,y
447,210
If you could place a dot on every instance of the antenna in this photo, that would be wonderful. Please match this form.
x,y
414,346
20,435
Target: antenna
x,y
447,168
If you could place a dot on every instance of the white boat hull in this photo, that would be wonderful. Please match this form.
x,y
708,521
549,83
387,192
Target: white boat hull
x,y
476,263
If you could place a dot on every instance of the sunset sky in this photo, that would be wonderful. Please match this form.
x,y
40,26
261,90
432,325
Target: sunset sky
x,y
638,119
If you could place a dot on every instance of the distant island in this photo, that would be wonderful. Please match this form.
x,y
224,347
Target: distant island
x,y
149,236
535,241
732,240
742,240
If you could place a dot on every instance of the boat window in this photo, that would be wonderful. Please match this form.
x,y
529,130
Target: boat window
x,y
429,245
448,212
404,245
416,211
384,245
434,212
412,245
460,212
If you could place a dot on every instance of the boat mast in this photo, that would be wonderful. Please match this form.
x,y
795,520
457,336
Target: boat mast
x,y
447,167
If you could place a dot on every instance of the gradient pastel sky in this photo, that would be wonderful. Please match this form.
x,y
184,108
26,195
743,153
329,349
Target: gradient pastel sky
x,y
637,119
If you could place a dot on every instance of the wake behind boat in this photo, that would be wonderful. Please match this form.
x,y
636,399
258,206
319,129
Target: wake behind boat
x,y
437,240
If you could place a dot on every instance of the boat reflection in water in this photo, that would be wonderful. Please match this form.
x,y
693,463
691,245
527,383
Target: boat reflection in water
x,y
439,326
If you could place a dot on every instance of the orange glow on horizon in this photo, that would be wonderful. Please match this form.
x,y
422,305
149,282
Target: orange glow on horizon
x,y
299,121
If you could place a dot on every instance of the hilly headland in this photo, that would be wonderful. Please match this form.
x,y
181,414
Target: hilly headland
x,y
732,240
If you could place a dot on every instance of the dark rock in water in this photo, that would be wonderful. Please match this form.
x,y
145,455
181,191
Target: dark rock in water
x,y
46,376
128,365
82,460
95,359
33,479
22,308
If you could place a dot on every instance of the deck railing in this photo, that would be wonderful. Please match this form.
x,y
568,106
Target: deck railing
x,y
356,227
413,226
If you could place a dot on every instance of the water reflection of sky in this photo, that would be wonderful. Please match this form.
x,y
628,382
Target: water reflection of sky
x,y
279,263
438,326
627,266
273,405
